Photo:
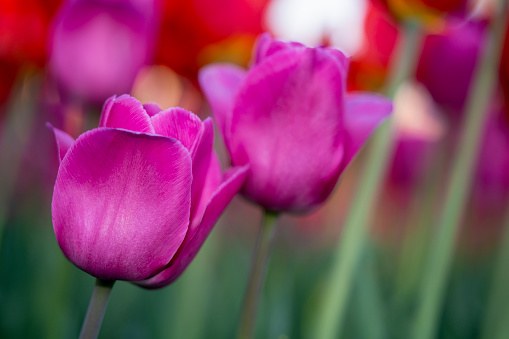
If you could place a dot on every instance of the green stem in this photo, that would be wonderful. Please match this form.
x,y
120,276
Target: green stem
x,y
497,307
346,259
256,276
17,127
417,233
96,309
441,253
368,303
406,57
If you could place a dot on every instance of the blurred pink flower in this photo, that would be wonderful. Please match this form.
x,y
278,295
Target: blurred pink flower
x,y
97,47
289,118
491,185
447,63
136,198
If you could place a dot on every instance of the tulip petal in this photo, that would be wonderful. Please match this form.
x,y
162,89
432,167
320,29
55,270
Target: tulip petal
x,y
152,109
187,252
342,59
363,113
64,141
262,45
220,83
106,110
179,124
287,124
267,46
201,155
127,113
121,203
213,179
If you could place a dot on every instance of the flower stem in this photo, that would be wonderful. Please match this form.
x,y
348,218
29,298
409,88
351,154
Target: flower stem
x,y
497,307
256,276
441,252
96,309
348,254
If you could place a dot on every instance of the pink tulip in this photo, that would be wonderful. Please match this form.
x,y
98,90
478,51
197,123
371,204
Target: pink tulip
x,y
97,47
447,63
290,119
136,198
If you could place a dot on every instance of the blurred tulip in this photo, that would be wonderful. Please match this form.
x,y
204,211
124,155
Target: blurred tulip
x,y
491,184
135,198
289,118
197,32
23,30
97,47
447,63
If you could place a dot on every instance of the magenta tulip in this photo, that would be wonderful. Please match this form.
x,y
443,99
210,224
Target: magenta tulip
x,y
97,47
290,119
447,63
136,198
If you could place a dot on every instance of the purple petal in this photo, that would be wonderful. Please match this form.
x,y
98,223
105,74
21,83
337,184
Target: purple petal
x,y
287,124
152,109
220,83
121,203
213,179
106,110
201,155
267,46
127,113
342,59
64,141
218,203
363,113
179,124
262,45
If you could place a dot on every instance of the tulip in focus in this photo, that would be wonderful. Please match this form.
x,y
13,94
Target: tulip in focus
x,y
96,48
136,198
290,119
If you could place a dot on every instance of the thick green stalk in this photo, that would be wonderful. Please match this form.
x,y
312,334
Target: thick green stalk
x,y
347,257
441,253
259,265
368,306
497,307
96,309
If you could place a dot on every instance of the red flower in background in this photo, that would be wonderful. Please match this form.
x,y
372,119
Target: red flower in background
x,y
23,27
368,68
197,32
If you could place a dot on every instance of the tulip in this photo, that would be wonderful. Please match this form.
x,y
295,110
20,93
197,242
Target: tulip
x,y
289,118
96,48
136,198
447,63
